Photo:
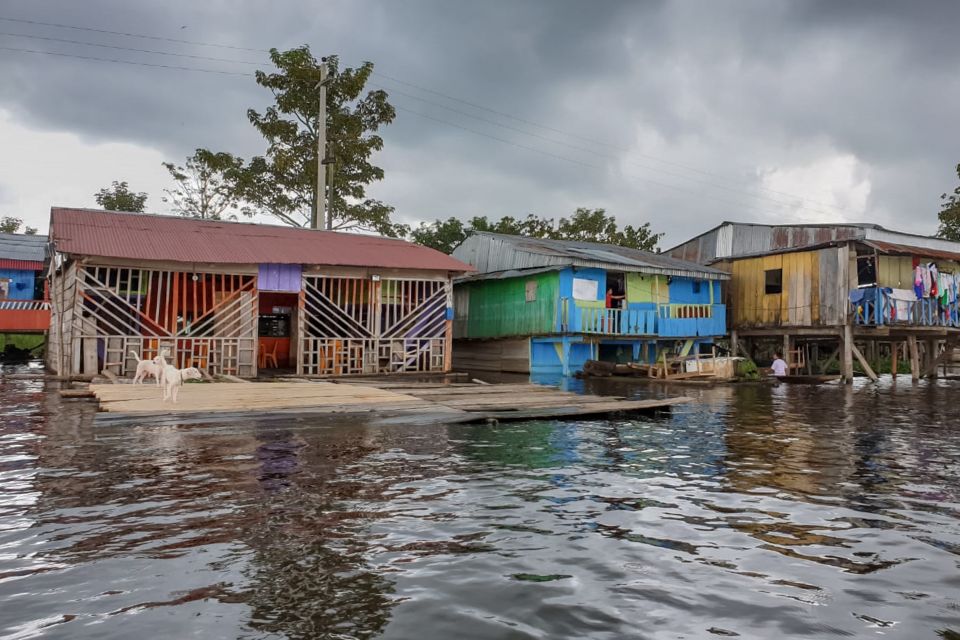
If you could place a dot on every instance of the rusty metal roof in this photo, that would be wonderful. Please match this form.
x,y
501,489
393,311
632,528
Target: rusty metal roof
x,y
903,249
137,236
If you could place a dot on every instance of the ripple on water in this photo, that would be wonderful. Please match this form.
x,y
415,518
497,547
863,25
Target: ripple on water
x,y
754,513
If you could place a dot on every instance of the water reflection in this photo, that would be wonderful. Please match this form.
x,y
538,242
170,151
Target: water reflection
x,y
763,511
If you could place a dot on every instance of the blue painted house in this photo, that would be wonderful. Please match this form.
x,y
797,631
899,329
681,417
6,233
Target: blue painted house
x,y
24,307
541,306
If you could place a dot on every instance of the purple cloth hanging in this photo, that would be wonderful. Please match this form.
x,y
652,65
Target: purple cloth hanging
x,y
280,277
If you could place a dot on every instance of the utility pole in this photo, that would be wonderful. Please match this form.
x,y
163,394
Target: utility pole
x,y
320,210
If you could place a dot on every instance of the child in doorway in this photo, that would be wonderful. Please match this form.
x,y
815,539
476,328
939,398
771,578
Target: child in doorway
x,y
779,367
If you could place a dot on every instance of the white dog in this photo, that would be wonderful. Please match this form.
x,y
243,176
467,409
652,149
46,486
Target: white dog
x,y
173,378
148,368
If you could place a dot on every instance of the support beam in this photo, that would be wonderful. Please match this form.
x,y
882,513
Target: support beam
x,y
867,369
734,347
930,358
846,362
914,357
894,357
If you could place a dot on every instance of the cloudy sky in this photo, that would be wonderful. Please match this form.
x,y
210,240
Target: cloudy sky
x,y
682,113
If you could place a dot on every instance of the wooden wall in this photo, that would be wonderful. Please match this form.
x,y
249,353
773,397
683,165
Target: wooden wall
x,y
814,289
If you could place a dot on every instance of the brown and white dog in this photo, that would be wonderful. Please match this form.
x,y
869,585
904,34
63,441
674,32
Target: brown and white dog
x,y
173,378
148,368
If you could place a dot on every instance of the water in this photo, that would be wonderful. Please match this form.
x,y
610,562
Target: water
x,y
766,512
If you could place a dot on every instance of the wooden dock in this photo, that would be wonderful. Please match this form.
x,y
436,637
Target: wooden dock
x,y
374,401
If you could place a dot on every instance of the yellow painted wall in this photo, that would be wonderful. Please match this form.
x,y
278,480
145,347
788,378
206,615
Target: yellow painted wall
x,y
644,288
897,271
797,305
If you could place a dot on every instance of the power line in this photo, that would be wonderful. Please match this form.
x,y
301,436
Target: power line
x,y
131,35
605,155
801,200
139,64
111,46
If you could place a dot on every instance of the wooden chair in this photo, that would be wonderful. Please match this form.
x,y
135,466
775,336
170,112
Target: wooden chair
x,y
270,357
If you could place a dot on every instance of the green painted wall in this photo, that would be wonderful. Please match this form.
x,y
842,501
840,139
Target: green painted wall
x,y
499,308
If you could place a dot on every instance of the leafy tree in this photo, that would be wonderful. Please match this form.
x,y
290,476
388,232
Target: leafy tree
x,y
204,186
283,182
9,224
585,225
950,214
119,198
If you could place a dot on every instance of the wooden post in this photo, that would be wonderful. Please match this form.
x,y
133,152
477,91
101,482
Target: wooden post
x,y
734,349
786,351
894,356
914,357
846,362
863,362
929,359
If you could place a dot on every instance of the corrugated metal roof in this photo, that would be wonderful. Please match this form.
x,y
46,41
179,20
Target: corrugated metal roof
x,y
22,265
494,252
510,273
19,246
889,247
133,236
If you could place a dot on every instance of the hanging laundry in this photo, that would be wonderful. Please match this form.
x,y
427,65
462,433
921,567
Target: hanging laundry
x,y
902,301
925,276
918,281
934,276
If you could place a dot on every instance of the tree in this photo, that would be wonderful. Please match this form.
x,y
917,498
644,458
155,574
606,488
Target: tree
x,y
9,224
950,214
204,185
283,182
585,225
119,198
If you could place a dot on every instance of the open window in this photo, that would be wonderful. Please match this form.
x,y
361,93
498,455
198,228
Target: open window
x,y
773,281
867,271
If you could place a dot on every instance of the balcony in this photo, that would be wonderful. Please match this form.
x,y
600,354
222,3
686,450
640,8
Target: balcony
x,y
877,307
666,320
28,316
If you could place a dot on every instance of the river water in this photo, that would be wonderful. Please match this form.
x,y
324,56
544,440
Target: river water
x,y
768,512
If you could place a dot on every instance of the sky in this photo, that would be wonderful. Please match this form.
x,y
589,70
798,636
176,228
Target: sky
x,y
681,114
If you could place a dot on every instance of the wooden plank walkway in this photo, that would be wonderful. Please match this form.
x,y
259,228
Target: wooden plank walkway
x,y
375,401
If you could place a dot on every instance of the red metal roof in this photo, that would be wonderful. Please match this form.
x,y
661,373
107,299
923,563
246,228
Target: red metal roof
x,y
137,236
889,247
23,265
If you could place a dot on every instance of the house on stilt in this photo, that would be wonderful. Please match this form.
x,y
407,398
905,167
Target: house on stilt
x,y
24,303
829,293
542,306
241,299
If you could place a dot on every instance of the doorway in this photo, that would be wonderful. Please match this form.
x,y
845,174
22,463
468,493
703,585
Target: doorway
x,y
276,326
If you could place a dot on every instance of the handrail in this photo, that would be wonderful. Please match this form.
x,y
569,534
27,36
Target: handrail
x,y
877,307
24,305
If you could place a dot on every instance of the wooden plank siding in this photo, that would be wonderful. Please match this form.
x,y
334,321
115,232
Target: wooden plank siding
x,y
799,302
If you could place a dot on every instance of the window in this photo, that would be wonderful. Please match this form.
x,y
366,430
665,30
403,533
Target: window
x,y
773,281
696,286
531,291
4,288
866,271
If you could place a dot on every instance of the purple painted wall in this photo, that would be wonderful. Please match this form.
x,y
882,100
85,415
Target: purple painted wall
x,y
279,277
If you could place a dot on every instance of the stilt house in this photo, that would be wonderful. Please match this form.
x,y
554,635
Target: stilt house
x,y
238,298
542,306
815,286
24,305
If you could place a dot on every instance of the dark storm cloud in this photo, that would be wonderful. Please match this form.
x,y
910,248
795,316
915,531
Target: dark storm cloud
x,y
676,108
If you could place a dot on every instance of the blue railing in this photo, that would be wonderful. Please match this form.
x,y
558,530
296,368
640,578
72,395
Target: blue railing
x,y
668,320
876,307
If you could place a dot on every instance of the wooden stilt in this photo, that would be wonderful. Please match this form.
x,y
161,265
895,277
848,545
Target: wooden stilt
x,y
846,363
734,348
894,357
930,358
867,369
914,357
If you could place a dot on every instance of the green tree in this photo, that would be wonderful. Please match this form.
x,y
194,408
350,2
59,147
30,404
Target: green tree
x,y
9,224
119,198
585,225
204,186
950,214
283,181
